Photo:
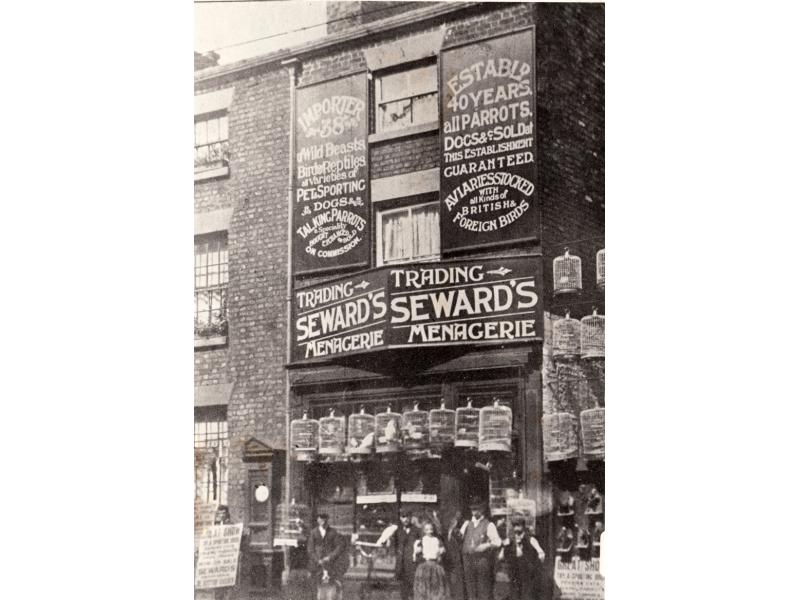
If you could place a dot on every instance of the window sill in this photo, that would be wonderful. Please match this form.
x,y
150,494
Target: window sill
x,y
210,342
222,171
374,138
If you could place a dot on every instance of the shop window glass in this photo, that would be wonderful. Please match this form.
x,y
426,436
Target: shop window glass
x,y
405,98
408,234
211,432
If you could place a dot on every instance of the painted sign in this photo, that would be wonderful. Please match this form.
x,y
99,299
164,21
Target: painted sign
x,y
218,557
424,304
579,579
331,217
487,143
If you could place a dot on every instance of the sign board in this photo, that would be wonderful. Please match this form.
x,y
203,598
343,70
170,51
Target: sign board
x,y
218,557
492,301
579,579
204,513
411,497
330,204
488,148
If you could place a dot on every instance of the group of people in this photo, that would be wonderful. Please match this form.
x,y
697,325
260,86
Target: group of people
x,y
457,565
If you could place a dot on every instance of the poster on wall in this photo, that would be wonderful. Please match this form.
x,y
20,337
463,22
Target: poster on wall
x,y
488,148
579,579
218,557
492,301
330,205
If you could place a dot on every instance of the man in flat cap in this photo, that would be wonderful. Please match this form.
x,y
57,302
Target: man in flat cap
x,y
524,557
326,551
481,540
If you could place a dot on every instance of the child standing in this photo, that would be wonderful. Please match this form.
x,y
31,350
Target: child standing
x,y
430,581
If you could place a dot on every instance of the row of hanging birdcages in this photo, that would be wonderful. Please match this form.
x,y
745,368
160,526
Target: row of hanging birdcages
x,y
487,429
560,435
585,338
568,276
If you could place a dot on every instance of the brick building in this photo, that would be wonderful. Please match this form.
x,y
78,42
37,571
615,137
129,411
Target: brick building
x,y
255,355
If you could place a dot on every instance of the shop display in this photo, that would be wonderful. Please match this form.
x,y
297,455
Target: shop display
x,y
566,505
332,436
565,540
291,523
467,426
594,503
360,433
494,428
593,432
601,269
571,388
560,436
567,274
593,336
305,438
502,489
415,430
566,337
387,432
442,427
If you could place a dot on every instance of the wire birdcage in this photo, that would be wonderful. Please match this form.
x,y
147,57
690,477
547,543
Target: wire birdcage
x,y
387,432
601,269
305,438
494,428
593,432
560,436
291,527
567,274
502,488
467,426
414,426
566,337
593,336
360,433
331,435
442,427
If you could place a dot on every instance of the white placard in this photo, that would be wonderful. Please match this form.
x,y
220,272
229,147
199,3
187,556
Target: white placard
x,y
219,556
579,579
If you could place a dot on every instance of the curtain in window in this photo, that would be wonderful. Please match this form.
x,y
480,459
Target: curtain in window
x,y
395,246
426,231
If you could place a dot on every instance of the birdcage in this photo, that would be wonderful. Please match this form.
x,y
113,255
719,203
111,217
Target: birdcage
x,y
360,433
291,527
601,269
560,436
331,435
593,336
305,437
414,427
467,426
567,274
593,432
442,427
494,428
566,337
503,486
387,432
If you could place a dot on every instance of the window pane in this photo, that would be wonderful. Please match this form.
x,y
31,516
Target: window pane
x,y
395,115
422,80
202,306
426,109
223,127
394,86
425,231
213,130
200,133
395,235
201,155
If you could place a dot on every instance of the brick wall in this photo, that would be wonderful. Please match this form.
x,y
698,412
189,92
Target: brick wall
x,y
345,15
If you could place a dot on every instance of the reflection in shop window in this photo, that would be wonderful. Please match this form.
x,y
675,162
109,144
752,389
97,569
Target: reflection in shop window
x,y
408,234
406,98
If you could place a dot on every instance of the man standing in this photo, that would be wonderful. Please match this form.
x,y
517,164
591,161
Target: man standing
x,y
524,557
477,551
326,552
405,567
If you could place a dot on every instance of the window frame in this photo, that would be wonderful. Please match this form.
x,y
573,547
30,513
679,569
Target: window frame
x,y
223,161
408,207
218,329
378,102
217,476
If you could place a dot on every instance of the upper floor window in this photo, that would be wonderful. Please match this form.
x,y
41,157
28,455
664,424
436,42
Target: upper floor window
x,y
211,434
406,98
408,234
210,142
210,285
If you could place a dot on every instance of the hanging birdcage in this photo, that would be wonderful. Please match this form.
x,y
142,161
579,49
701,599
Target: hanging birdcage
x,y
291,527
601,269
305,438
559,436
593,432
494,428
442,427
566,337
331,435
467,426
360,433
415,430
503,486
387,432
567,274
593,336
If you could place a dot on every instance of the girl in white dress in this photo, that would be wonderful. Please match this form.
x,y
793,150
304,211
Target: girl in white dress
x,y
430,581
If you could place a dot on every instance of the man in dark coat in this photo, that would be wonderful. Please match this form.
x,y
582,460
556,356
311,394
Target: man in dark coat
x,y
480,541
405,567
326,551
524,557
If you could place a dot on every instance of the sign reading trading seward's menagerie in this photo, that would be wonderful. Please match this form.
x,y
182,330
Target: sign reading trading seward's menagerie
x,y
487,143
331,183
426,304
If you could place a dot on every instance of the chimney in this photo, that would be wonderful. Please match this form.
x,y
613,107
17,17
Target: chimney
x,y
203,61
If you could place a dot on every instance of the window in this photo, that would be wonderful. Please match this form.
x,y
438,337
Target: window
x,y
408,234
210,285
211,433
405,98
210,141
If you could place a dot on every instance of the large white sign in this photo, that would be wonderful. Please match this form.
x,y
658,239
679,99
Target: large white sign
x,y
219,556
579,579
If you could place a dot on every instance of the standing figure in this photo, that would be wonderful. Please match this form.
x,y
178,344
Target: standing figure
x,y
405,567
430,581
524,557
326,554
477,551
453,565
